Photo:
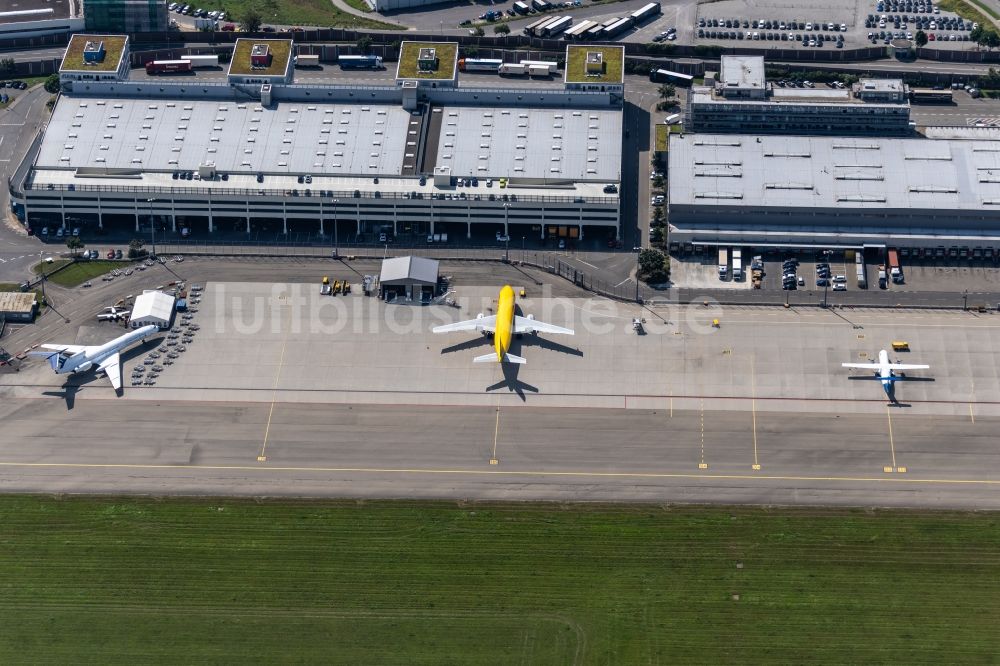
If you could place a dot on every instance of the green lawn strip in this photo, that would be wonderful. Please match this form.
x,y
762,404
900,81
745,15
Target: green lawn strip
x,y
971,10
320,13
79,272
360,5
116,580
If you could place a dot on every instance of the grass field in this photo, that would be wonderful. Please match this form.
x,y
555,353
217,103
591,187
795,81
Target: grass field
x,y
186,581
79,272
304,13
972,10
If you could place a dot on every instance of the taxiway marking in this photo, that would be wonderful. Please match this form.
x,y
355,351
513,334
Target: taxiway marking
x,y
261,457
480,472
753,409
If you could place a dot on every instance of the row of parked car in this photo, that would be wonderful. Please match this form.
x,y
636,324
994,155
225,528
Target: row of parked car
x,y
762,24
918,6
16,85
197,12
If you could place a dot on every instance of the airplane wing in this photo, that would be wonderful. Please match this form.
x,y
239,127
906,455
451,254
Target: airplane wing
x,y
112,367
862,366
478,324
908,366
525,325
72,349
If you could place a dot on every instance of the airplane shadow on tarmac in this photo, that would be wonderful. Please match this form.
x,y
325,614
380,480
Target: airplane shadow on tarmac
x,y
74,383
893,400
510,370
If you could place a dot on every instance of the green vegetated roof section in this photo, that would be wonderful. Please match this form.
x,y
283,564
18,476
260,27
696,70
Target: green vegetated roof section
x,y
446,53
73,59
281,50
576,64
662,132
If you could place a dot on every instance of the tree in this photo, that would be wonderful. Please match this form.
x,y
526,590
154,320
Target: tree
x,y
74,243
6,67
502,29
992,39
667,91
364,44
251,21
921,38
135,248
479,32
52,84
653,266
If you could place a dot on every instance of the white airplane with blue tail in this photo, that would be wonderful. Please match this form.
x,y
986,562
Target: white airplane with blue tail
x,y
72,359
885,371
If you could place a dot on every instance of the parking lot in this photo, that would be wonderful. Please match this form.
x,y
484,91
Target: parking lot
x,y
975,272
814,24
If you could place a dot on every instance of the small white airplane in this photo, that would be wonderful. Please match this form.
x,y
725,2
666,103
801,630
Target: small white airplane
x,y
81,358
884,371
111,313
503,326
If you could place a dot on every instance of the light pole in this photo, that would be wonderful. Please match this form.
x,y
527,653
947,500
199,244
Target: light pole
x,y
41,269
506,233
826,282
524,253
336,237
152,226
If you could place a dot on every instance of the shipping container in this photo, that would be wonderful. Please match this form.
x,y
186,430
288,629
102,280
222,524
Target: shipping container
x,y
617,28
666,76
168,66
894,269
534,26
480,64
539,70
645,13
304,60
359,62
555,27
202,60
553,66
513,69
576,32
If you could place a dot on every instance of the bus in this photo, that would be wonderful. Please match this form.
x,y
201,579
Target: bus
x,y
359,62
931,96
666,76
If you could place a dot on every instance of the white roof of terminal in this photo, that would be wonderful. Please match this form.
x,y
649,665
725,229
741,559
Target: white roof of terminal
x,y
180,135
742,72
553,144
832,172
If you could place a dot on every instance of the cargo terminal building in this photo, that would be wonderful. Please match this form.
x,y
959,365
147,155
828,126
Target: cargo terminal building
x,y
257,155
833,191
742,101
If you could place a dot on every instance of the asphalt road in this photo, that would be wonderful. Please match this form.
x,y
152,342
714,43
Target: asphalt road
x,y
680,455
18,125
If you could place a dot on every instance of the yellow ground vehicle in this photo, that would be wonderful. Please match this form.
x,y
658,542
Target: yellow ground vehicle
x,y
899,345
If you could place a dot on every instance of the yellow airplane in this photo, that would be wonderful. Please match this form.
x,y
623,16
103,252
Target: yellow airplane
x,y
503,325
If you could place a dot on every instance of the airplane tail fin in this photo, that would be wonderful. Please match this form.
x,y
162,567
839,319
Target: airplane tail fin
x,y
51,357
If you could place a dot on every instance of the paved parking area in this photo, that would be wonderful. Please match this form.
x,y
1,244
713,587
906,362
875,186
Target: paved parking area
x,y
952,275
852,15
